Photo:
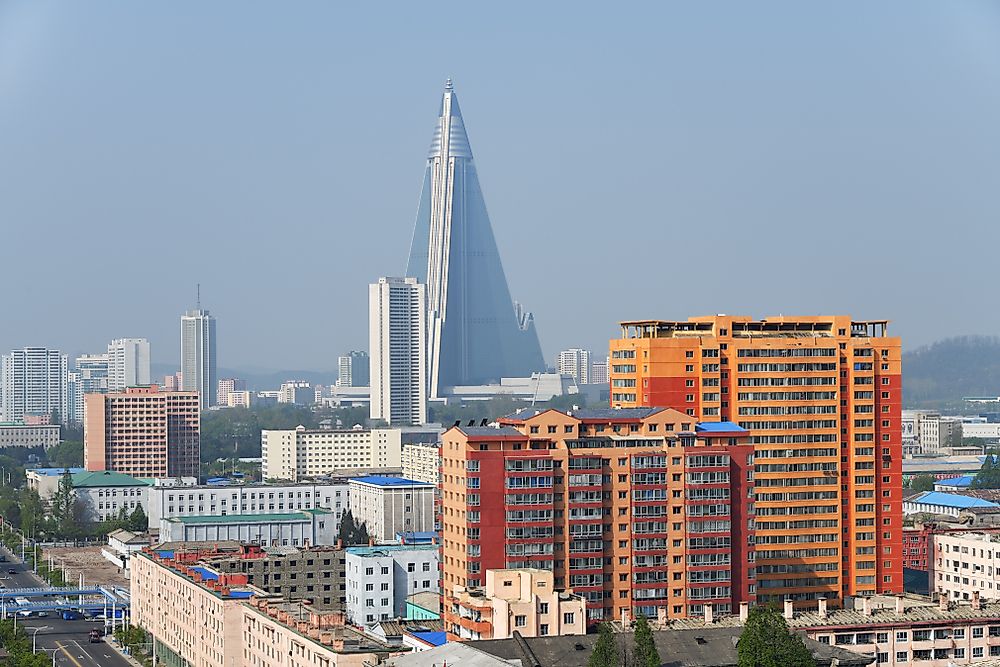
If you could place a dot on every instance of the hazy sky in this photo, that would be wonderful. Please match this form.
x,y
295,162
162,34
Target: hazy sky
x,y
653,160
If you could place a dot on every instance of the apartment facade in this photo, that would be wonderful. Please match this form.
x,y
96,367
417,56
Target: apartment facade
x,y
422,462
397,335
90,376
963,564
640,511
574,362
379,579
199,366
128,363
143,432
299,453
19,434
168,502
33,382
390,505
523,600
821,398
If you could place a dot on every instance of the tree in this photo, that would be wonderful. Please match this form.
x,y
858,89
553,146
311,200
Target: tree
x,y
922,483
138,522
645,651
67,454
63,501
32,512
361,534
605,653
351,532
767,642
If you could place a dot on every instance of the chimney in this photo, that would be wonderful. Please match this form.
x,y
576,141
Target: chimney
x,y
943,601
976,605
822,607
744,611
900,609
866,606
789,609
709,619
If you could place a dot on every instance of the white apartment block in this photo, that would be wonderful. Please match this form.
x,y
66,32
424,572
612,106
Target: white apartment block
x,y
298,392
963,564
89,377
33,381
237,399
128,363
422,462
198,361
380,578
390,505
574,363
397,332
301,453
170,502
599,372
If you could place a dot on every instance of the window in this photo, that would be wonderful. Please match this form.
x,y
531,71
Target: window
x,y
427,567
520,621
543,607
902,656
569,618
411,567
543,629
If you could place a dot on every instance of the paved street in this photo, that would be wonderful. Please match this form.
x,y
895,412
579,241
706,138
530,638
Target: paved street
x,y
67,639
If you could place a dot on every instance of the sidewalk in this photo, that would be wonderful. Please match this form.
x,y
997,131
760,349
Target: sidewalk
x,y
110,641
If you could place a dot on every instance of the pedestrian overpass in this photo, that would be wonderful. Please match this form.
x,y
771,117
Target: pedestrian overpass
x,y
92,600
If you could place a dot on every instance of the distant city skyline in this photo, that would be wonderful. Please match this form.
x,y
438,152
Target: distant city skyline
x,y
762,141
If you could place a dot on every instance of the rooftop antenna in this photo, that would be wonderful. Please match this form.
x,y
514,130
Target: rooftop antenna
x,y
199,295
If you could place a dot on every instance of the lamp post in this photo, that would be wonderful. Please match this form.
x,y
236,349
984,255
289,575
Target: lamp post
x,y
34,637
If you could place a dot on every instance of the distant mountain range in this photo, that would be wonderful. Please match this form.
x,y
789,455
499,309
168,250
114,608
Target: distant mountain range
x,y
256,380
938,376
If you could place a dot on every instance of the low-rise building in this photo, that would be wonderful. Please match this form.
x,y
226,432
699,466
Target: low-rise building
x,y
422,462
965,564
299,529
298,453
390,505
122,544
45,481
945,504
168,502
19,434
105,494
194,614
523,600
380,579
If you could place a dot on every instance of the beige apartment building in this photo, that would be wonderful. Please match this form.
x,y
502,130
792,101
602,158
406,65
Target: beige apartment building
x,y
422,462
298,453
143,432
964,564
19,434
524,600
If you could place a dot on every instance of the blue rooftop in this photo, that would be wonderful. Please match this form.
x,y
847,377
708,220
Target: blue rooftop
x,y
56,472
951,500
241,595
719,427
432,638
964,481
206,573
379,480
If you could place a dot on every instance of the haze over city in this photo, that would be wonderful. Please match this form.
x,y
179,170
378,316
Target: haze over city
x,y
637,161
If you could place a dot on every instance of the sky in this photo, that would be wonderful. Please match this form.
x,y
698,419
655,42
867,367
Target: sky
x,y
639,160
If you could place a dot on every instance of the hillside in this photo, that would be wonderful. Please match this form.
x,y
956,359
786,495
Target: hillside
x,y
939,375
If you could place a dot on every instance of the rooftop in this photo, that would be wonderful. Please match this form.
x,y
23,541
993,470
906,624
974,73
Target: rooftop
x,y
719,427
102,478
490,431
613,414
960,482
231,586
55,472
379,480
949,500
386,549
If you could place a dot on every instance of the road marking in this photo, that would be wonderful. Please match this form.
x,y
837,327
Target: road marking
x,y
69,655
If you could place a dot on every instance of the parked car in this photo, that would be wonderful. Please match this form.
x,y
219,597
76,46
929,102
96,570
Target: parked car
x,y
95,636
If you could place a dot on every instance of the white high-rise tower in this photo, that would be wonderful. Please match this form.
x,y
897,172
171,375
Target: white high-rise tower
x,y
198,365
128,363
575,363
397,328
33,381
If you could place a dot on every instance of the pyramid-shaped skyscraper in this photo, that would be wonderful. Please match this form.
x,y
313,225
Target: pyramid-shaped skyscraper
x,y
476,334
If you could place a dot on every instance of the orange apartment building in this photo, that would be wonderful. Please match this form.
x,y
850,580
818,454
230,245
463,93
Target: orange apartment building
x,y
821,398
638,510
143,432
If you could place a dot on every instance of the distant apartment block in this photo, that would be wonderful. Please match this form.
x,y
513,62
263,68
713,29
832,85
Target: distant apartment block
x,y
128,363
34,382
397,332
228,386
379,579
574,363
18,434
422,462
301,453
963,564
521,600
298,392
390,505
169,502
143,432
90,376
599,373
353,369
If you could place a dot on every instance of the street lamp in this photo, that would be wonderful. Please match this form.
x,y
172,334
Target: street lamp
x,y
34,637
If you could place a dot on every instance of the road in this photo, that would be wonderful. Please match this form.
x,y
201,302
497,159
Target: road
x,y
68,639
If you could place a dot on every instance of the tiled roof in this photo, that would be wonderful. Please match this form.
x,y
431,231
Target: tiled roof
x,y
614,414
488,431
99,478
949,500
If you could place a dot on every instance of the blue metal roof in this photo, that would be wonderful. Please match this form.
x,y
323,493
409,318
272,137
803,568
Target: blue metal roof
x,y
56,472
206,573
719,427
432,638
379,480
963,481
951,500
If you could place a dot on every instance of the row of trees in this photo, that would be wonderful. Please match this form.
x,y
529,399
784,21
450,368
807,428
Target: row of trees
x,y
765,641
353,532
18,646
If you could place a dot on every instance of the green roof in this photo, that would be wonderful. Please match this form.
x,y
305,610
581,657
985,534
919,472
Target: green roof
x,y
94,479
243,518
